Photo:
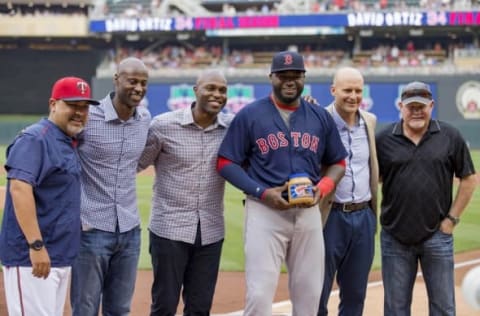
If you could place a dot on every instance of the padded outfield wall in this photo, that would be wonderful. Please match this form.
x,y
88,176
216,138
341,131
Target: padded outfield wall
x,y
27,76
457,97
26,79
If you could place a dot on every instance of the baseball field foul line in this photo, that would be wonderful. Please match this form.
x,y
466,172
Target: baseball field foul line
x,y
284,308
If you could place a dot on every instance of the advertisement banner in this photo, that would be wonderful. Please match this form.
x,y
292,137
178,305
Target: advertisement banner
x,y
379,98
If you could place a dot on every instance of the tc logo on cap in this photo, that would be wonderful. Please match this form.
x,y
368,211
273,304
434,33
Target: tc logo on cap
x,y
72,89
82,86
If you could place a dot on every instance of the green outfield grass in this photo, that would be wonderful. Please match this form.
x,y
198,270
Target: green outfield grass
x,y
232,256
21,118
3,179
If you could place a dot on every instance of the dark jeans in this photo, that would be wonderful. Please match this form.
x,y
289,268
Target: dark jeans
x,y
349,249
399,270
177,263
104,272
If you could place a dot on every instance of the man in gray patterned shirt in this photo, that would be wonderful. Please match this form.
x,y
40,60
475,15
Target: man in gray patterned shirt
x,y
109,148
187,223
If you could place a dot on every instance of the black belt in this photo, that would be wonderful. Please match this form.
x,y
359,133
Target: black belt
x,y
351,207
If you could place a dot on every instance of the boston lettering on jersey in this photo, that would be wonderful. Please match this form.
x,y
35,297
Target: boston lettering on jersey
x,y
279,140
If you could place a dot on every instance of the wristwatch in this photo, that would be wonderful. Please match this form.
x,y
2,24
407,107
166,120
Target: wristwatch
x,y
453,219
36,245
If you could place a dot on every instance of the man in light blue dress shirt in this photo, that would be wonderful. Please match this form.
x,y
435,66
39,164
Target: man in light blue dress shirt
x,y
109,149
349,213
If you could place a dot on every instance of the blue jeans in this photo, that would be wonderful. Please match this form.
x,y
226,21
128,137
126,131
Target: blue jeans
x,y
399,269
349,249
106,270
177,263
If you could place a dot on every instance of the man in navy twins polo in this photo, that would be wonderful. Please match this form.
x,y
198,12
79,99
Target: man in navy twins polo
x,y
40,231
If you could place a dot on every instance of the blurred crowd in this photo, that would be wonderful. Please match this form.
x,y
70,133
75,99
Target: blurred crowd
x,y
179,55
186,55
230,8
9,8
139,8
183,56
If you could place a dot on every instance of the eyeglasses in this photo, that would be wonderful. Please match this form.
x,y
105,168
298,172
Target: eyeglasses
x,y
285,77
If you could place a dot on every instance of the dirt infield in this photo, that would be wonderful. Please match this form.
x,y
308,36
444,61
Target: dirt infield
x,y
230,293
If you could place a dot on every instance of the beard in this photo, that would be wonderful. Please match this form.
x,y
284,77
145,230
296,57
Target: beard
x,y
287,99
74,130
72,127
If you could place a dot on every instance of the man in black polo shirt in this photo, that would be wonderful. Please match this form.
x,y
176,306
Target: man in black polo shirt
x,y
418,158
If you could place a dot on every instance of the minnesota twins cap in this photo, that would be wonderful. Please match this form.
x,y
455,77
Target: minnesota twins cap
x,y
287,60
418,92
72,89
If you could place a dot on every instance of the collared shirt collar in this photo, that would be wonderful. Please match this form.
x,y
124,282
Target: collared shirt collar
x,y
110,112
187,118
341,124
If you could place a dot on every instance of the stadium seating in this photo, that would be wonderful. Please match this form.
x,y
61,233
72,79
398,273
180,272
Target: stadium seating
x,y
218,7
165,50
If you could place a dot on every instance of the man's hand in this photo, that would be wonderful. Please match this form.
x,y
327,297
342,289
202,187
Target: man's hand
x,y
310,99
40,263
273,197
316,198
446,226
317,195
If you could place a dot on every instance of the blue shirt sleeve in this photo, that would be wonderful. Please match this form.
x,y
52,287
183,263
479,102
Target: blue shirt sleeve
x,y
236,143
26,159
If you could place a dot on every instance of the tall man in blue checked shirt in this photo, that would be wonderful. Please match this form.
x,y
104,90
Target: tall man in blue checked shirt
x,y
187,223
109,149
349,213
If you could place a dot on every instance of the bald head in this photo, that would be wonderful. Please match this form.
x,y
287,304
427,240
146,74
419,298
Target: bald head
x,y
131,65
347,90
347,73
214,75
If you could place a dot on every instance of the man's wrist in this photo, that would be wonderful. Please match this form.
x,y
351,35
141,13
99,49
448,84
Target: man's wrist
x,y
326,185
454,219
36,245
